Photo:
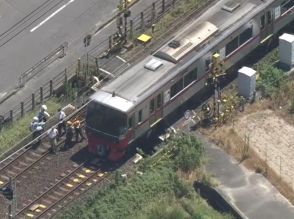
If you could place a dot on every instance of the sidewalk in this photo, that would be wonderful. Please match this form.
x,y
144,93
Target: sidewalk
x,y
250,192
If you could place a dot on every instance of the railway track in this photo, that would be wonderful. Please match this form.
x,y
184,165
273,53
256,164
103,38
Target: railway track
x,y
28,156
71,186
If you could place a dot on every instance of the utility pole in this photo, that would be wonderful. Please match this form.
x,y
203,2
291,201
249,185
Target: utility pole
x,y
216,71
123,7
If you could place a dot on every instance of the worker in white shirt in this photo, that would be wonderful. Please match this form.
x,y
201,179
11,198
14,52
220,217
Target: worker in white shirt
x,y
52,135
43,115
61,123
37,127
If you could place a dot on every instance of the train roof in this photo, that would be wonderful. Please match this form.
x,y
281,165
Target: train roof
x,y
205,32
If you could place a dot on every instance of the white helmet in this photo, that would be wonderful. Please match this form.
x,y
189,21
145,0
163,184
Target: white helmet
x,y
35,119
44,107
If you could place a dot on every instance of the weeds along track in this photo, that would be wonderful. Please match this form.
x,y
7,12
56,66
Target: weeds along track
x,y
83,178
29,156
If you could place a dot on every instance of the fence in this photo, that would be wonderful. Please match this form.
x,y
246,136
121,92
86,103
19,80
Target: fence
x,y
41,65
84,68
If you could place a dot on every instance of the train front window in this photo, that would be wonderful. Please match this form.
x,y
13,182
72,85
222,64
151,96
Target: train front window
x,y
106,120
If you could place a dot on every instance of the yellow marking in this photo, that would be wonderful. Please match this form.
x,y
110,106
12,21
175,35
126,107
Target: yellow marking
x,y
81,176
1,183
42,206
30,215
38,210
144,38
100,174
69,185
87,170
76,180
89,184
34,207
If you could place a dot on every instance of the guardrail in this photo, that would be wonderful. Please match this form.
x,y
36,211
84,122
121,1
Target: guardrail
x,y
37,68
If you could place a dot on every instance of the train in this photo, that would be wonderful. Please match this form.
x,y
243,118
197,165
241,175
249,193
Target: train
x,y
128,107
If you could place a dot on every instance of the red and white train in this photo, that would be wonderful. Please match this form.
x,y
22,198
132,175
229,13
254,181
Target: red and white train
x,y
149,91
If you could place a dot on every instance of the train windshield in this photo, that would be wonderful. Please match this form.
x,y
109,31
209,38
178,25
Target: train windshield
x,y
106,120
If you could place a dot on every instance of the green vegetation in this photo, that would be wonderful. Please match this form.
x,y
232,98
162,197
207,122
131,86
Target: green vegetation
x,y
274,83
158,193
10,135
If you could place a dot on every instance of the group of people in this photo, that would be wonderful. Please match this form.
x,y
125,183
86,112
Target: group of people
x,y
69,129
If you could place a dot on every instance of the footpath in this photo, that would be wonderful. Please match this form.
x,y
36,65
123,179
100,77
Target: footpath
x,y
251,193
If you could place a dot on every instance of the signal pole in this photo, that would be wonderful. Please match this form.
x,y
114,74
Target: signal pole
x,y
216,71
123,7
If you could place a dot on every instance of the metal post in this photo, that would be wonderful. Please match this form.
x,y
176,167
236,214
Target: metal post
x,y
50,88
41,95
79,67
153,14
125,20
142,21
11,115
33,101
97,66
110,42
131,30
163,6
22,109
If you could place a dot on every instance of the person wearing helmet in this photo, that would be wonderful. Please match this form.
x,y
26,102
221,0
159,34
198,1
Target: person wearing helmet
x,y
68,135
43,114
37,128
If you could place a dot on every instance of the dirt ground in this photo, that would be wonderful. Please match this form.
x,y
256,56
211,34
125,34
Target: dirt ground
x,y
263,139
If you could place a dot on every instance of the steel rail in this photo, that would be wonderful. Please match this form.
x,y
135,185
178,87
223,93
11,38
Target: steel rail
x,y
64,180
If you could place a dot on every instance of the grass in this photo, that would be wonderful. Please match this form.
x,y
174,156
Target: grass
x,y
12,134
157,194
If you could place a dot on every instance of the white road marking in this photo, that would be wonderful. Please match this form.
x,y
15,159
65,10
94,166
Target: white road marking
x,y
52,15
107,72
121,59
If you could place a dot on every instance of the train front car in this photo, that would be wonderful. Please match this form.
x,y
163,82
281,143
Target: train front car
x,y
106,127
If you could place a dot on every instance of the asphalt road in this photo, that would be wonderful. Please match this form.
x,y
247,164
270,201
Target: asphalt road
x,y
78,20
31,29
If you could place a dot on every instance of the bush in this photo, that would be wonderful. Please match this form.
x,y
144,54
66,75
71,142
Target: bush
x,y
270,80
188,152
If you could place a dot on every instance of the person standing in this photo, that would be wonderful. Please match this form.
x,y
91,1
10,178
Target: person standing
x,y
43,115
68,136
78,130
61,123
37,128
52,135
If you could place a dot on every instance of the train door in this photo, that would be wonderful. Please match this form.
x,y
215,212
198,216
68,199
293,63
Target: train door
x,y
266,26
155,109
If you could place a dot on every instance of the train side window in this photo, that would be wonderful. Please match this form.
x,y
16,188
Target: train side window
x,y
190,77
262,21
131,122
286,5
269,17
232,46
207,64
140,113
159,100
176,88
245,35
152,106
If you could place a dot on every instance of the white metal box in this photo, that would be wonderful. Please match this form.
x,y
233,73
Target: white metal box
x,y
246,82
286,50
